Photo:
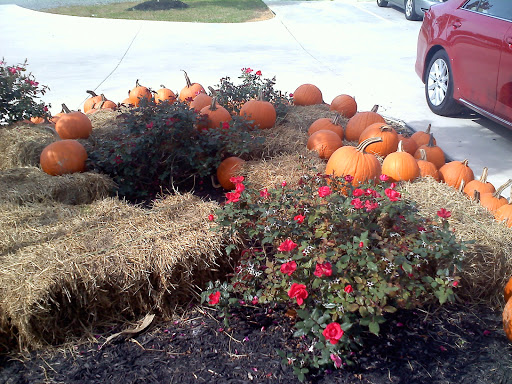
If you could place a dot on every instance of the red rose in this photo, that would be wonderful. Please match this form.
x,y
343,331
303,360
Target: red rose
x,y
211,217
264,193
287,245
214,298
383,177
324,269
289,267
299,218
357,192
324,191
443,213
333,333
232,197
239,187
237,179
299,292
348,289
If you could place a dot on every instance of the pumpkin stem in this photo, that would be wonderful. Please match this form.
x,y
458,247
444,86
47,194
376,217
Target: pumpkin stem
x,y
476,195
462,185
386,128
214,184
400,147
363,144
213,91
260,95
431,139
187,79
337,119
92,93
65,108
137,84
375,108
427,131
213,105
423,154
498,192
162,86
483,178
465,162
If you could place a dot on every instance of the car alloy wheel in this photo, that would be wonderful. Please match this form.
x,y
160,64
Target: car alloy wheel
x,y
410,10
439,86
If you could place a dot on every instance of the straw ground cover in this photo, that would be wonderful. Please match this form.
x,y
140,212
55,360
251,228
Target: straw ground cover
x,y
212,11
69,270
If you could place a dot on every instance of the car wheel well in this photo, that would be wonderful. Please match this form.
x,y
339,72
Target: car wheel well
x,y
428,57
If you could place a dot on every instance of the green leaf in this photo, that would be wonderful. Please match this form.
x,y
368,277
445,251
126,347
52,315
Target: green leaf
x,y
374,327
389,309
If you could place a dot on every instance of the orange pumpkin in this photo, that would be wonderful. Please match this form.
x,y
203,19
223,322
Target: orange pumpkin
x,y
324,123
216,114
228,168
307,94
138,93
400,165
454,172
200,101
409,144
37,120
492,201
356,162
89,103
102,104
504,213
482,185
62,157
387,133
358,123
324,142
422,137
507,291
434,153
73,125
427,168
262,113
164,94
190,91
507,319
345,105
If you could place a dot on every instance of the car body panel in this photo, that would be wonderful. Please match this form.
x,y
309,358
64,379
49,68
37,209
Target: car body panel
x,y
479,46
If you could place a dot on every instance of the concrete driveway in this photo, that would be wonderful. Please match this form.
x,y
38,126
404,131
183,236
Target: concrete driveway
x,y
342,46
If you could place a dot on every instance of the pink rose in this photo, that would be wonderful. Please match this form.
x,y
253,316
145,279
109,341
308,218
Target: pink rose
x,y
237,179
357,192
239,187
232,197
214,298
333,333
288,268
324,191
299,292
383,177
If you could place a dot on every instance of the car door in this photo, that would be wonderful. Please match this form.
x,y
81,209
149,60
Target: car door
x,y
503,107
475,39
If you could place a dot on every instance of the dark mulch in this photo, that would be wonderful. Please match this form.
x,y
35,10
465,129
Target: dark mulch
x,y
158,5
455,344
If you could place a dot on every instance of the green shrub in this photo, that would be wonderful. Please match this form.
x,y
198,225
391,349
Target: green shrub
x,y
18,94
339,257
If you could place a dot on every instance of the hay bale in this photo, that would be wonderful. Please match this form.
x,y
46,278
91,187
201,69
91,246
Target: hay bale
x,y
21,145
269,173
111,262
31,184
488,262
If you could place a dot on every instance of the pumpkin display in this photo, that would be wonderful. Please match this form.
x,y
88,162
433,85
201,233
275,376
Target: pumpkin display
x,y
138,93
164,94
307,94
73,125
228,168
259,112
358,123
216,114
89,103
56,117
481,185
200,101
190,91
102,104
400,165
410,146
427,168
324,123
324,142
345,105
507,319
356,162
504,213
63,157
492,201
507,291
422,137
434,153
387,133
454,172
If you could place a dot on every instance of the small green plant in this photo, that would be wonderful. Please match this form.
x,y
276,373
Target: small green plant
x,y
161,147
337,256
233,96
18,94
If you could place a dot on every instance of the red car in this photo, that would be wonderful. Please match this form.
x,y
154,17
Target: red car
x,y
464,57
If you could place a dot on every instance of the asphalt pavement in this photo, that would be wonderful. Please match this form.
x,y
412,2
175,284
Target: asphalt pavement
x,y
342,46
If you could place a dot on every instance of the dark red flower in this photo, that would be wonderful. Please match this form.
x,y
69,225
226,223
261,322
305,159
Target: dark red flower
x,y
333,333
214,298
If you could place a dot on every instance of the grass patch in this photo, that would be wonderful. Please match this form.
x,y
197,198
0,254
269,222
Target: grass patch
x,y
204,11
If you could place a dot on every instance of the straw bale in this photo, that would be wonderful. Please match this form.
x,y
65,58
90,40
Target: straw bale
x,y
111,262
31,184
488,262
21,145
269,173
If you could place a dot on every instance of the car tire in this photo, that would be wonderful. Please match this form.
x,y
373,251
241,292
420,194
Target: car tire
x,y
410,10
439,86
382,3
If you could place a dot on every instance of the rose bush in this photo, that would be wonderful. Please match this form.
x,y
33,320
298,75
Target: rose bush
x,y
339,257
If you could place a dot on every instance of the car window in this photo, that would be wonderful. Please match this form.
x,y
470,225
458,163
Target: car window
x,y
498,8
